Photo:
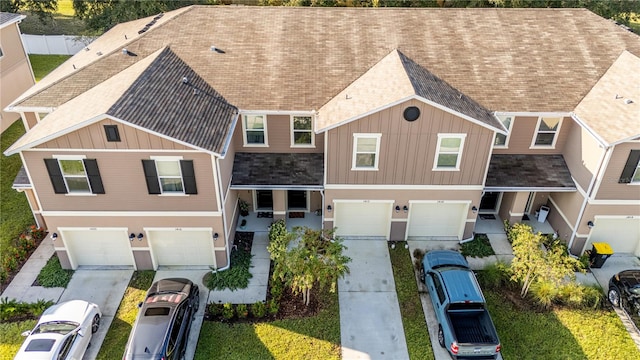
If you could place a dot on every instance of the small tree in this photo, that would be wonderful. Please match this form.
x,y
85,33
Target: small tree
x,y
532,262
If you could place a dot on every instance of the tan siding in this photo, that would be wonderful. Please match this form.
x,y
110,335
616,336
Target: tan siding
x,y
279,200
591,211
226,169
582,154
31,197
278,138
407,149
15,72
124,183
522,132
31,120
564,229
610,189
569,203
93,137
230,211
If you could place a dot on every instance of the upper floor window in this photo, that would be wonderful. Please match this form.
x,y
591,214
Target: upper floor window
x,y
74,175
546,132
501,140
169,176
449,151
631,172
255,130
366,150
302,131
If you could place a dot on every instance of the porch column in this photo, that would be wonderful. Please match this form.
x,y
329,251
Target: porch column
x,y
279,204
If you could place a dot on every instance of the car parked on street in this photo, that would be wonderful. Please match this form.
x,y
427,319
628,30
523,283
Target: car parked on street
x,y
161,329
63,332
624,292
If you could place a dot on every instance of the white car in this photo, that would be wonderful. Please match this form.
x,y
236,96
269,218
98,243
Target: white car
x,y
62,333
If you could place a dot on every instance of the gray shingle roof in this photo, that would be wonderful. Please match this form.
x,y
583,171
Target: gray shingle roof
x,y
160,100
7,18
278,170
528,173
430,87
21,180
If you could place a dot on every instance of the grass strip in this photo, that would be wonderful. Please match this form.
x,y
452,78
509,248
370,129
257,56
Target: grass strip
x,y
44,64
118,334
11,338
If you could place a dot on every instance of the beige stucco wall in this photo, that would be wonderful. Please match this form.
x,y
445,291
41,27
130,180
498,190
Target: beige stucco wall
x,y
407,149
278,138
609,188
15,72
124,182
523,130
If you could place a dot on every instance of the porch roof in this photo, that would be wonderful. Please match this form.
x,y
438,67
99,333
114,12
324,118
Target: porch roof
x,y
21,180
277,171
509,172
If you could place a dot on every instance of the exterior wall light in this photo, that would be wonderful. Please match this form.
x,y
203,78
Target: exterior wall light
x,y
329,208
54,236
474,209
590,224
215,236
132,236
405,208
140,236
397,208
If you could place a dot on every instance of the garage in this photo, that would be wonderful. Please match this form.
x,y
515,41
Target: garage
x,y
622,234
185,247
362,218
437,219
97,247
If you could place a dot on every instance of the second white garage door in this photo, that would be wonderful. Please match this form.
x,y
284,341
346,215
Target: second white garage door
x,y
444,220
101,247
622,234
181,247
362,219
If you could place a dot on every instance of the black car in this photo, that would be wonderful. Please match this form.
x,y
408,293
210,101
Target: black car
x,y
624,292
162,327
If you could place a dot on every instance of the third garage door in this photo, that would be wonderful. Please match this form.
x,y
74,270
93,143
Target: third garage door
x,y
182,247
437,219
362,219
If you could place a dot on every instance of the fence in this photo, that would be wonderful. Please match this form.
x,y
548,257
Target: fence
x,y
55,44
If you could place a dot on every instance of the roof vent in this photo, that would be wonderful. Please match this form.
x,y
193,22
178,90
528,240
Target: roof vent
x,y
412,113
185,80
628,101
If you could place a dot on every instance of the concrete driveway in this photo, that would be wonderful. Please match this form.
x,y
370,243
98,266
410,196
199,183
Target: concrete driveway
x,y
370,320
104,288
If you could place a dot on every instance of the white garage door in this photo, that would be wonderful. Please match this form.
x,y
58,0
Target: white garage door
x,y
623,235
98,247
437,220
184,247
362,219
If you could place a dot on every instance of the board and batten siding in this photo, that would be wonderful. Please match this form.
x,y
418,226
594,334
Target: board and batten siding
x,y
124,182
407,149
610,188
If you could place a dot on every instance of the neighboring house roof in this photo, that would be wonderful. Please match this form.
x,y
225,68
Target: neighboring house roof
x,y
21,180
528,173
393,79
295,58
159,93
7,19
278,170
612,107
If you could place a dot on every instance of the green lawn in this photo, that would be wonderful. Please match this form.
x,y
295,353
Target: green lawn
x,y
317,337
44,64
116,338
413,321
11,338
567,334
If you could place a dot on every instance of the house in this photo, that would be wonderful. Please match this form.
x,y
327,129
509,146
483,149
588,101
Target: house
x,y
386,123
16,75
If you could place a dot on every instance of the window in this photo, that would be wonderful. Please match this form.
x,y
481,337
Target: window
x,y
439,290
255,130
112,132
546,132
366,148
502,140
449,151
74,175
169,176
631,172
302,131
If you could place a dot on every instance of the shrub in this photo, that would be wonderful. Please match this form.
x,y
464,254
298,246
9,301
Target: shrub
x,y
13,310
259,309
236,277
273,307
277,230
418,255
214,309
53,275
494,275
478,247
242,311
544,293
579,296
228,311
277,288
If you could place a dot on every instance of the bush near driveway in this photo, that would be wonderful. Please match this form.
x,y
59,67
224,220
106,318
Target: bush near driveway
x,y
53,275
116,338
11,338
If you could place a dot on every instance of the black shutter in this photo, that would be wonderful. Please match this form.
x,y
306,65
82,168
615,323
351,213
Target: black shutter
x,y
55,174
630,167
188,177
93,173
151,175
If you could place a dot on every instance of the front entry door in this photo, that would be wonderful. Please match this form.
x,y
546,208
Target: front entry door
x,y
297,200
489,201
264,200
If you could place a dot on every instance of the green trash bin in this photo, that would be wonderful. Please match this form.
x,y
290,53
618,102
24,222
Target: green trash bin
x,y
600,252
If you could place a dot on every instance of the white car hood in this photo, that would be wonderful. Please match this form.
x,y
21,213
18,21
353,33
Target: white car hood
x,y
73,310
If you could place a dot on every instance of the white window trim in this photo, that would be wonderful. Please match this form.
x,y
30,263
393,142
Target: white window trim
x,y
64,177
462,137
244,131
357,136
555,138
506,140
293,140
169,158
